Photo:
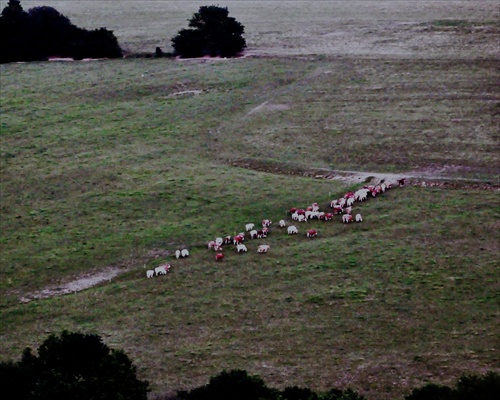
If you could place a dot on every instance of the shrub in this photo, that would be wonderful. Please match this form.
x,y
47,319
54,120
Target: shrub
x,y
468,387
235,384
43,32
213,34
75,366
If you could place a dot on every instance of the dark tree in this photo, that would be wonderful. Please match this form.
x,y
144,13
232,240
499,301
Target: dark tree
x,y
213,33
43,32
235,384
78,367
296,393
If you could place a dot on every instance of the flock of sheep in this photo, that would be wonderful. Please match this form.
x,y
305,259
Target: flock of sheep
x,y
342,206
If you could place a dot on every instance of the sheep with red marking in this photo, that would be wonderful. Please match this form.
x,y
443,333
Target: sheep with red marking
x,y
238,239
219,256
228,240
328,216
312,233
266,223
162,269
346,218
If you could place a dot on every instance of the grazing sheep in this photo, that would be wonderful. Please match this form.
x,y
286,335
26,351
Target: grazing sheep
x,y
217,247
282,223
219,256
334,203
219,241
337,210
238,239
177,254
295,216
361,194
328,216
184,253
346,218
162,269
253,234
359,218
263,248
228,240
292,229
241,248
315,207
211,244
266,223
311,233
249,227
262,234
150,273
302,218
347,210
350,201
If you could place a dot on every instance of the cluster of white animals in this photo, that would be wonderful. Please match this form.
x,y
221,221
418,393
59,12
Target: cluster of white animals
x,y
342,206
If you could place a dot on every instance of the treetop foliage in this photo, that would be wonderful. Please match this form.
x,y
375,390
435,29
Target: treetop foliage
x,y
44,32
213,33
73,366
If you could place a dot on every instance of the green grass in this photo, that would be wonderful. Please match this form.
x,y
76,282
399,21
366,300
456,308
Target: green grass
x,y
103,164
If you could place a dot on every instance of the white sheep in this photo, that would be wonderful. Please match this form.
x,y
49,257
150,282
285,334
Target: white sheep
x,y
177,254
253,234
249,227
350,201
219,241
241,247
263,248
282,223
184,253
150,273
295,216
359,218
162,269
292,229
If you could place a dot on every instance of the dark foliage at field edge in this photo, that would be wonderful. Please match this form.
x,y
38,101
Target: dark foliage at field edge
x,y
43,32
79,366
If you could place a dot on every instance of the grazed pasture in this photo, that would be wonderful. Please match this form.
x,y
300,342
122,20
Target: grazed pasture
x,y
115,164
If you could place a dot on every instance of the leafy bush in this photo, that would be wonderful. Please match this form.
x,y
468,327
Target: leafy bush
x,y
43,32
235,384
468,387
73,366
213,34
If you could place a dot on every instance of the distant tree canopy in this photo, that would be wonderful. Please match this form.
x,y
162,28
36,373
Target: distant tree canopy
x,y
44,32
213,34
72,366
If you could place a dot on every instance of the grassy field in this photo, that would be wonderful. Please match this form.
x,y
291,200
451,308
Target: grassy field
x,y
112,165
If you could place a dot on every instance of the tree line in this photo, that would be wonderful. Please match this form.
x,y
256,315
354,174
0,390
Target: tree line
x,y
81,367
43,32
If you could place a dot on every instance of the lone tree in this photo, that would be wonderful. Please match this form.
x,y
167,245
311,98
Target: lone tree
x,y
73,366
213,33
